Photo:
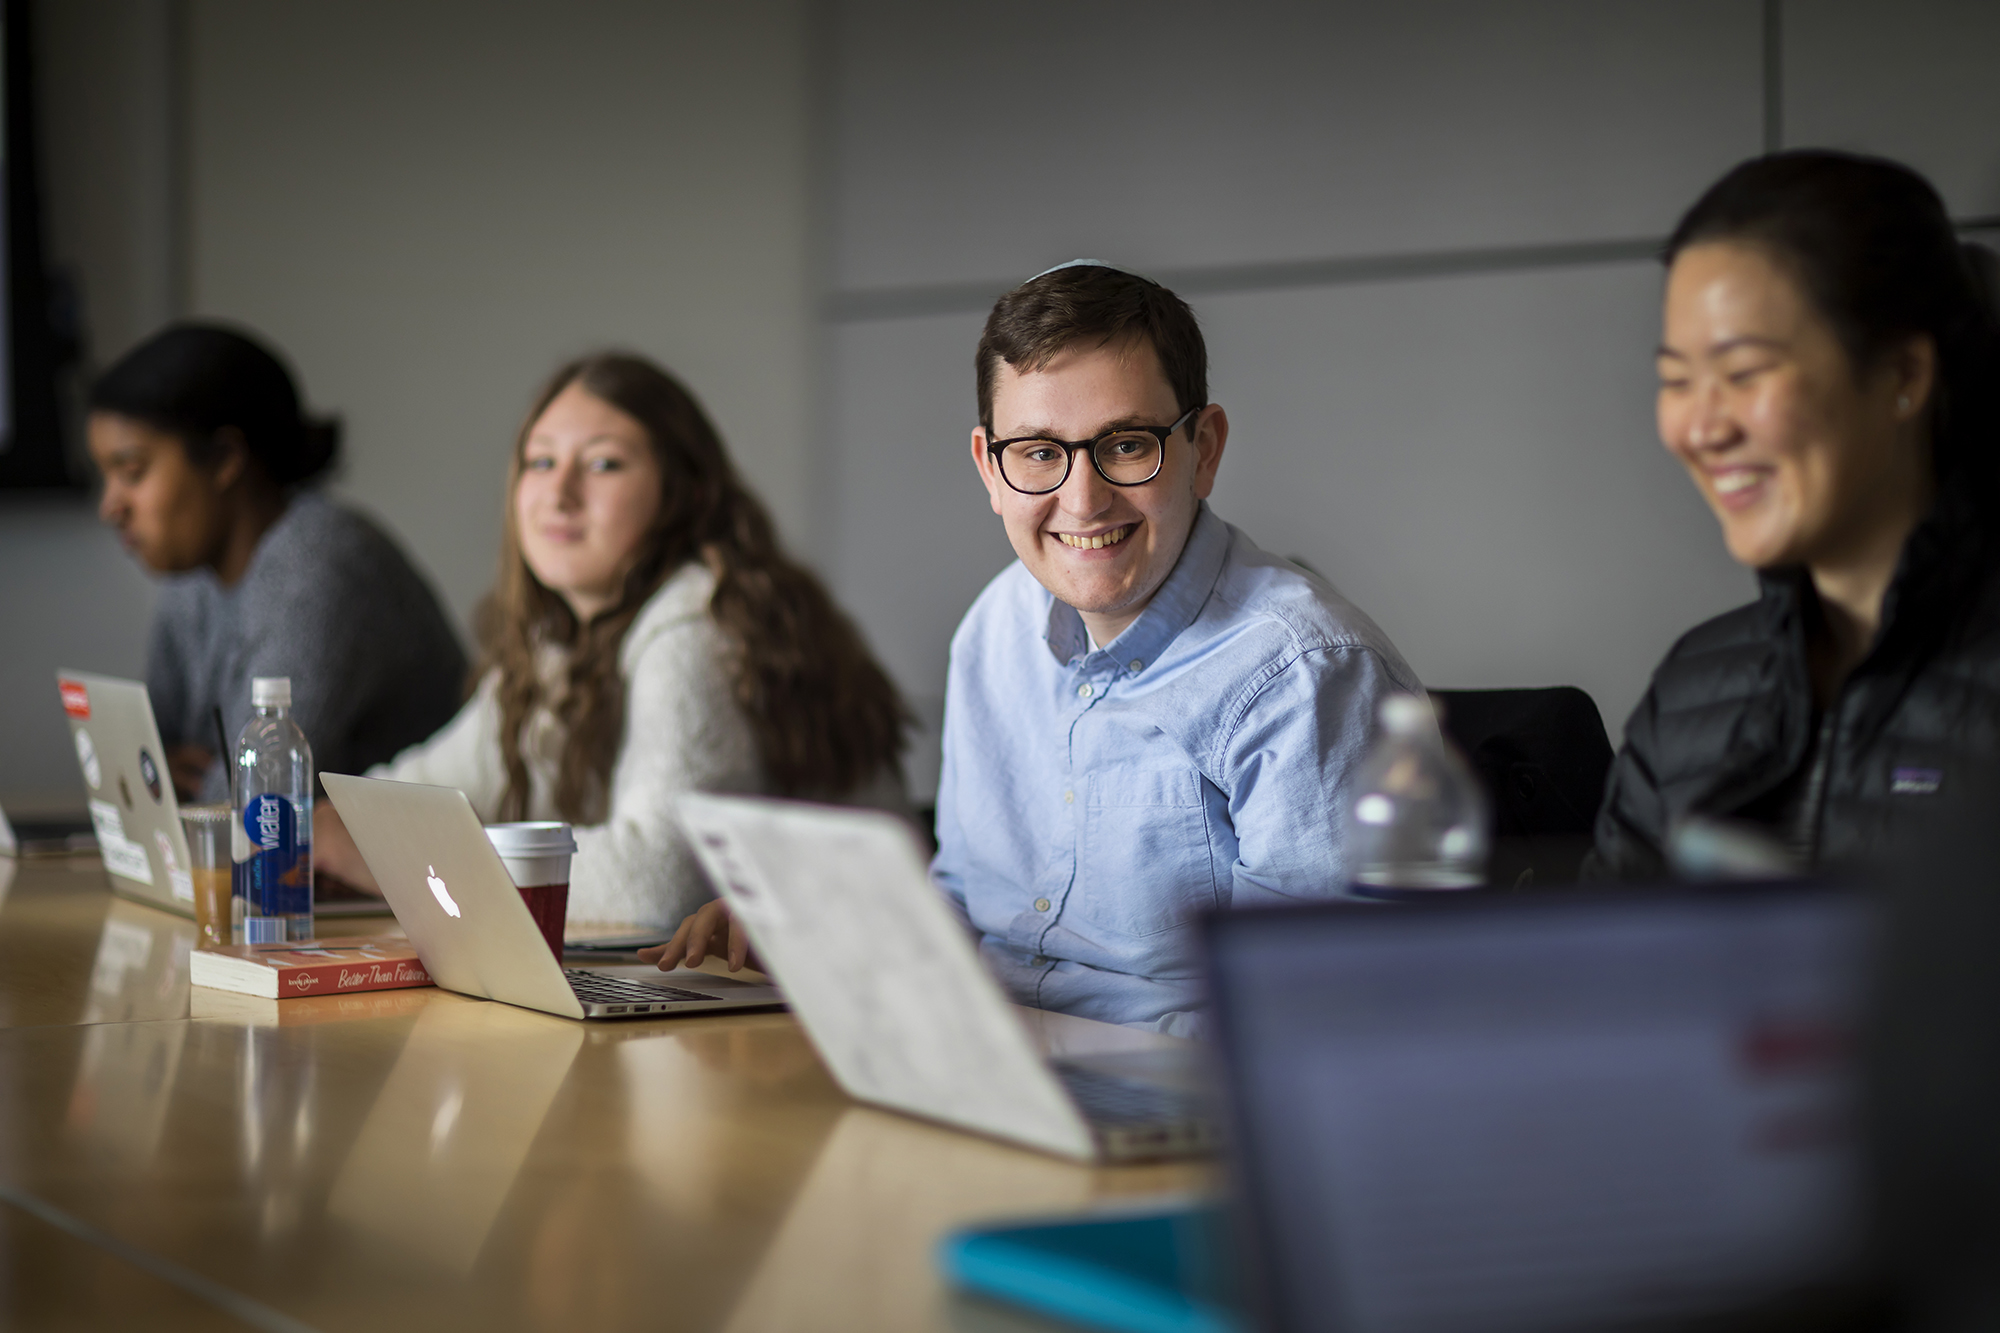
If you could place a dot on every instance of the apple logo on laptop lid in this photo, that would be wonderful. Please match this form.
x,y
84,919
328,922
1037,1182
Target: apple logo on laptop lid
x,y
437,888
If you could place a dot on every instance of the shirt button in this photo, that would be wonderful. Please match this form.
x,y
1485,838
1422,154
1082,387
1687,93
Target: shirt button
x,y
1084,691
1041,904
1136,666
1069,798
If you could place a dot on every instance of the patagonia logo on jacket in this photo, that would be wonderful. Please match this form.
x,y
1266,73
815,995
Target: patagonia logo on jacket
x,y
1914,781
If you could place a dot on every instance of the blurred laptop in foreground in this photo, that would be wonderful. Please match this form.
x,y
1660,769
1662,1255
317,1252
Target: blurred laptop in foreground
x,y
1577,1112
1512,1114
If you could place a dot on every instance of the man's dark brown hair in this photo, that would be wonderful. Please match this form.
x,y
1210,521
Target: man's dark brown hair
x,y
1099,307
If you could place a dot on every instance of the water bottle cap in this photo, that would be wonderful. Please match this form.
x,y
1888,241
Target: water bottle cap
x,y
1407,715
271,692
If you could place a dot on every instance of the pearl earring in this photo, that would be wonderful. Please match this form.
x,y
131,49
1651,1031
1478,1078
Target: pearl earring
x,y
1903,404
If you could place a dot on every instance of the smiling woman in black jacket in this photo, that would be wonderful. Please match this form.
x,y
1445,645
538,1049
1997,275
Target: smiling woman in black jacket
x,y
1828,377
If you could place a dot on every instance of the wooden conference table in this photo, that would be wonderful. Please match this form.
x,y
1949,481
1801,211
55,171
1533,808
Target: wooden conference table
x,y
414,1159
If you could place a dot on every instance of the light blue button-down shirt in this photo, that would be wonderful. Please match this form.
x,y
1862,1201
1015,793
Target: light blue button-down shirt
x,y
1092,801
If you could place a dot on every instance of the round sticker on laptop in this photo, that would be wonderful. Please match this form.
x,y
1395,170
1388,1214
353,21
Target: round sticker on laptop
x,y
150,772
86,754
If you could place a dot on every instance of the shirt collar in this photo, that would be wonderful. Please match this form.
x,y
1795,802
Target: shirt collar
x,y
1172,609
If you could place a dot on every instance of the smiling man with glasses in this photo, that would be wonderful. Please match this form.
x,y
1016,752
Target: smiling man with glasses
x,y
1148,715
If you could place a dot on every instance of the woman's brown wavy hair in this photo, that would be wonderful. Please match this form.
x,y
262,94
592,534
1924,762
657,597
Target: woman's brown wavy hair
x,y
825,715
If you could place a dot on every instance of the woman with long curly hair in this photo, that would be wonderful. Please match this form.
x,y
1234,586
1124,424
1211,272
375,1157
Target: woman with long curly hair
x,y
647,636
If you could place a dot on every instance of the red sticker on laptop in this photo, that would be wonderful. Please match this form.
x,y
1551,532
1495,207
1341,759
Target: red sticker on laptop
x,y
76,699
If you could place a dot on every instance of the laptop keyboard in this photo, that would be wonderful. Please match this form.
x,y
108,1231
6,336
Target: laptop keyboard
x,y
597,988
1109,1100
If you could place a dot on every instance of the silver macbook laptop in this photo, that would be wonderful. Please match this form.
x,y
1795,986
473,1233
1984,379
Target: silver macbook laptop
x,y
131,794
885,979
448,888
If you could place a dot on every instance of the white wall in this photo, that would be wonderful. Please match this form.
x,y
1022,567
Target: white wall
x,y
1468,454
68,596
1418,238
1181,134
427,207
1919,82
431,206
1472,459
110,103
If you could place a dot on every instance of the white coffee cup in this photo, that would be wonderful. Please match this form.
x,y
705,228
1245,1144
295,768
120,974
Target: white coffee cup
x,y
535,852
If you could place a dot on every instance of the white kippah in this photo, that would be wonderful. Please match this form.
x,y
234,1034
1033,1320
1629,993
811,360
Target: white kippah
x,y
1081,263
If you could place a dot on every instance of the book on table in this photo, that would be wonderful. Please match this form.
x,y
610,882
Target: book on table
x,y
310,967
206,1004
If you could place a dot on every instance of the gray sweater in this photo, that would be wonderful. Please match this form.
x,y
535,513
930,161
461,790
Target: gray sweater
x,y
331,602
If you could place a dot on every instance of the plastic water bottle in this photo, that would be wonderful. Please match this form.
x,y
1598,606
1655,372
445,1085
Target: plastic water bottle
x,y
271,879
1419,823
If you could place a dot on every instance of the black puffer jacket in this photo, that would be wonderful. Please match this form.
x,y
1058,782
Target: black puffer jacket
x,y
1729,717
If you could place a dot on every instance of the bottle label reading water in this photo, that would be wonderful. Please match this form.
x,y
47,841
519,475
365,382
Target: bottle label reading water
x,y
276,881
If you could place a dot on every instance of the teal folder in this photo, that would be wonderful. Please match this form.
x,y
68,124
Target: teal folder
x,y
1164,1272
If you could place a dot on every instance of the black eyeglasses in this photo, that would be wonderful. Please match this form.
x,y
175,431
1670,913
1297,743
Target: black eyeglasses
x,y
1128,456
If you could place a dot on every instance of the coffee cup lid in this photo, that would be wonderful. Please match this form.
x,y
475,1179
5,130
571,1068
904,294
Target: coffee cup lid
x,y
536,837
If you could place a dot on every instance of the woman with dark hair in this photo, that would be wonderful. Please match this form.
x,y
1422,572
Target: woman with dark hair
x,y
1828,376
205,451
647,637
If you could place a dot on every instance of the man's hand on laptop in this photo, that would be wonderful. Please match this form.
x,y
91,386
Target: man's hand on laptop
x,y
712,930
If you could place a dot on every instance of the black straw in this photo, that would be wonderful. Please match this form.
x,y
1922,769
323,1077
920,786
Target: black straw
x,y
228,769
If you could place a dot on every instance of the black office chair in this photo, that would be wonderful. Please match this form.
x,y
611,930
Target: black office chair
x,y
1543,755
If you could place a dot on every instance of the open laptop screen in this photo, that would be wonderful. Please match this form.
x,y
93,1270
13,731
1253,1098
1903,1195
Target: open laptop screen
x,y
1542,1113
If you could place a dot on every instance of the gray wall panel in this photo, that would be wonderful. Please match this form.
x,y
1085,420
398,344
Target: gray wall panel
x,y
427,207
430,207
69,597
1186,133
1918,80
1472,460
914,537
68,594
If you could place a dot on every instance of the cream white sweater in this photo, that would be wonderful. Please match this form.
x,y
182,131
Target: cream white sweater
x,y
683,732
